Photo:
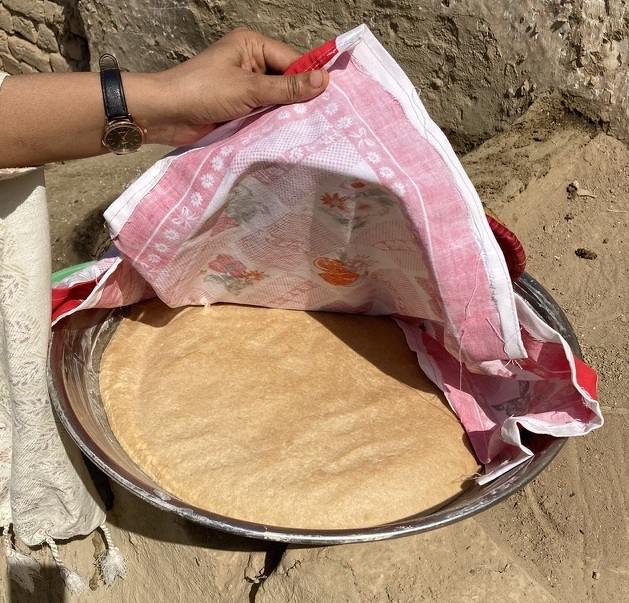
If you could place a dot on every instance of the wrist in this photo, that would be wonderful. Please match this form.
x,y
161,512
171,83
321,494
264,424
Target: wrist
x,y
157,105
148,102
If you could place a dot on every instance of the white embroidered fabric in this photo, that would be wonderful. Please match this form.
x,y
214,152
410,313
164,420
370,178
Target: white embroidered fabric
x,y
41,493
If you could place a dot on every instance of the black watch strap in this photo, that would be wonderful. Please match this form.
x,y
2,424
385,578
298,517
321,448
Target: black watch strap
x,y
111,84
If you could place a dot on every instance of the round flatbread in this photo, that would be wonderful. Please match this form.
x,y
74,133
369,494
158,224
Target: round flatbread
x,y
286,418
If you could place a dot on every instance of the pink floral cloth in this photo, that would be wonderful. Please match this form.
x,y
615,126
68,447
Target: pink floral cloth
x,y
351,202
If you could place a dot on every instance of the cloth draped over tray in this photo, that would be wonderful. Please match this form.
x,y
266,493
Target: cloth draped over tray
x,y
351,202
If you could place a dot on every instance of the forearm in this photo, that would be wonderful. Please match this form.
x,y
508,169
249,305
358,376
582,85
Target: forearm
x,y
54,117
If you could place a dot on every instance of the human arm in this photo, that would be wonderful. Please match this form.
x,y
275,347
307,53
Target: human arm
x,y
54,117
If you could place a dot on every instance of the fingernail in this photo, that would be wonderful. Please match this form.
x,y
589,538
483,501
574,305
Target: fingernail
x,y
316,79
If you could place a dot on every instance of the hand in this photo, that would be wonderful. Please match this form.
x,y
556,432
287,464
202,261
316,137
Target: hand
x,y
58,116
228,80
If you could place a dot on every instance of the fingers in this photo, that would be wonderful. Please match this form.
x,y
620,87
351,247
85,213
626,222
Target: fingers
x,y
275,55
286,89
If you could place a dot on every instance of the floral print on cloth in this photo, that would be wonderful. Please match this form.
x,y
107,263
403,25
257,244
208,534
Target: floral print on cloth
x,y
352,202
231,273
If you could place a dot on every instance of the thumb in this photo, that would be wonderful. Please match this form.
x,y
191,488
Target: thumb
x,y
286,89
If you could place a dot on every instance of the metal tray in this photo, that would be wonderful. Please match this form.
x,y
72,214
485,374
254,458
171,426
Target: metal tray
x,y
75,351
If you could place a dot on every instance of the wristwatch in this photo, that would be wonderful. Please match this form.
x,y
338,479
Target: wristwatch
x,y
122,135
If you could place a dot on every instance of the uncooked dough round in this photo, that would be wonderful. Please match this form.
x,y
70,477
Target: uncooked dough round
x,y
286,418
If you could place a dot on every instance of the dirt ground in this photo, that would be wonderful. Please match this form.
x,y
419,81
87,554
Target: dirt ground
x,y
571,525
565,537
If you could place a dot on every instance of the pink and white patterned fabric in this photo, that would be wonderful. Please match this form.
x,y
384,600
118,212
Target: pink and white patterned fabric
x,y
351,202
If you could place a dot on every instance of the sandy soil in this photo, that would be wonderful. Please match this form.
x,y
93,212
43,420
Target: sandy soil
x,y
572,524
565,537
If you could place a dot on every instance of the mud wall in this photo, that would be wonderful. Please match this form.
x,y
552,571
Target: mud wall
x,y
478,63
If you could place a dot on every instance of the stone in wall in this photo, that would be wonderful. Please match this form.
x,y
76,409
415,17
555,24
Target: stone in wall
x,y
24,28
46,38
29,53
53,12
27,8
4,42
8,63
59,64
42,35
6,21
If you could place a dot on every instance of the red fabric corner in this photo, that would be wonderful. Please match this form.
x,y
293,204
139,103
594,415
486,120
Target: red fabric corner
x,y
586,378
511,248
313,60
65,299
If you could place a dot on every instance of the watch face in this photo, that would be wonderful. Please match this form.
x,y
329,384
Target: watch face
x,y
123,138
